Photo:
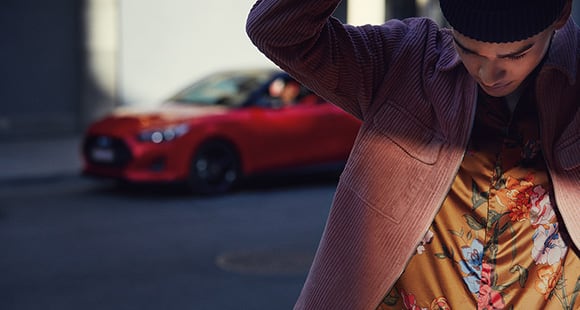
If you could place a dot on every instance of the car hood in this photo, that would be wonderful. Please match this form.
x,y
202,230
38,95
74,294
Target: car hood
x,y
138,118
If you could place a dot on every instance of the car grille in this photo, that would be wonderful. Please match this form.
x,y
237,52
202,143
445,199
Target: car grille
x,y
118,153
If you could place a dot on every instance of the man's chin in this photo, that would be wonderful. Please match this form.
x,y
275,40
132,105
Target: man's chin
x,y
499,91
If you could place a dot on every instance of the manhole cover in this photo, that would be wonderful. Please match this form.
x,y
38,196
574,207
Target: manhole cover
x,y
269,262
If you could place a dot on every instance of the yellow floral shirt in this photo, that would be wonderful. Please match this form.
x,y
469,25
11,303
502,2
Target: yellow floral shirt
x,y
497,242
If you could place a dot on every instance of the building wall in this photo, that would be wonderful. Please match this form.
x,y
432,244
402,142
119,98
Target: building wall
x,y
166,44
40,71
66,63
69,62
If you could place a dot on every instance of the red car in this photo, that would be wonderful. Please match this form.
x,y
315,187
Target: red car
x,y
213,133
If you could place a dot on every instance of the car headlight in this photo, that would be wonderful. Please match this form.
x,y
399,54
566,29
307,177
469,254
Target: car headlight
x,y
164,134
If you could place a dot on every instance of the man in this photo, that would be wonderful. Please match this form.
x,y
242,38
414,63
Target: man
x,y
289,93
463,187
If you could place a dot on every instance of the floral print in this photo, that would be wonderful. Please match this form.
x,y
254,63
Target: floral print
x,y
409,301
440,303
426,240
525,200
471,265
516,198
488,297
517,209
497,241
547,278
549,247
541,211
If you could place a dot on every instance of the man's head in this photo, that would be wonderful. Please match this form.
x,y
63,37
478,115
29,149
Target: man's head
x,y
290,92
502,41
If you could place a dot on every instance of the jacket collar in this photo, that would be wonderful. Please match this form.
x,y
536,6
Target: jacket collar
x,y
448,58
564,50
562,55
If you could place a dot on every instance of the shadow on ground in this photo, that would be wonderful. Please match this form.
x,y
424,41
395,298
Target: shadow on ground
x,y
254,184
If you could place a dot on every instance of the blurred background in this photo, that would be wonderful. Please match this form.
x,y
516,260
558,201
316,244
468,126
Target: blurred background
x,y
67,242
69,62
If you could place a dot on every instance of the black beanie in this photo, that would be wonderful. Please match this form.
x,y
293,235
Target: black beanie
x,y
501,21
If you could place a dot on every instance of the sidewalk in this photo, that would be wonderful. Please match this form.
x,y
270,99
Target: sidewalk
x,y
39,159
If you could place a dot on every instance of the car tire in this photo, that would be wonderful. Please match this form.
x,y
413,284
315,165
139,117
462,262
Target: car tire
x,y
215,168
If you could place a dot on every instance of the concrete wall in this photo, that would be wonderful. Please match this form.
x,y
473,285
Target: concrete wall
x,y
41,58
66,63
165,44
100,80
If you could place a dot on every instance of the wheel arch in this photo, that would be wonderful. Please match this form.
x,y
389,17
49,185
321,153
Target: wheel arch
x,y
221,139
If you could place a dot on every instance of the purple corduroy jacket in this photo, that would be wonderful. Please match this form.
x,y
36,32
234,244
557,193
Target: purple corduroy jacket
x,y
404,80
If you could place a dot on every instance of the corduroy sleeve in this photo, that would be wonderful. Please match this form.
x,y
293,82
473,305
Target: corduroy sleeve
x,y
342,63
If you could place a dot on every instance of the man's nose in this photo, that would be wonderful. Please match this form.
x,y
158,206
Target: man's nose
x,y
490,72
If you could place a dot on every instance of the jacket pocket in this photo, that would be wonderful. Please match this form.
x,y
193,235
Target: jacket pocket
x,y
409,133
393,159
568,153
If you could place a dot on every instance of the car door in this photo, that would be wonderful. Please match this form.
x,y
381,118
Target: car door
x,y
308,132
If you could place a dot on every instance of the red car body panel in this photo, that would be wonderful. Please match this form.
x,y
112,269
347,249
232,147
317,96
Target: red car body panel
x,y
265,138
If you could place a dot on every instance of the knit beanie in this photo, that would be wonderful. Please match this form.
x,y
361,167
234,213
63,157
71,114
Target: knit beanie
x,y
501,21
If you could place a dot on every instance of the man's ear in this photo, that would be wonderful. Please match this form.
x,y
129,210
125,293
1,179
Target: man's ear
x,y
563,19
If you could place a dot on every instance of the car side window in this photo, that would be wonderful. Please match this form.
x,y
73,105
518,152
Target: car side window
x,y
286,92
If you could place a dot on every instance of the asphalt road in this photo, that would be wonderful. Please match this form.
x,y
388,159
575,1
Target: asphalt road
x,y
75,243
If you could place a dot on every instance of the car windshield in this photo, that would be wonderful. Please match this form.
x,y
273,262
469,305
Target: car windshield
x,y
226,88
